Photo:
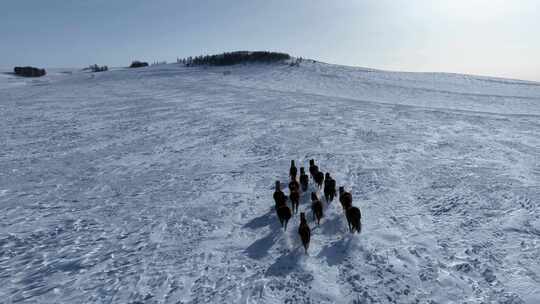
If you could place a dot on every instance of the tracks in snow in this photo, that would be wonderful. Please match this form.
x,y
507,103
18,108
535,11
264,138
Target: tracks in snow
x,y
139,189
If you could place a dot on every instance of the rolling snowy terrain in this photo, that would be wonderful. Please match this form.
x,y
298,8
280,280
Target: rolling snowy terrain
x,y
155,185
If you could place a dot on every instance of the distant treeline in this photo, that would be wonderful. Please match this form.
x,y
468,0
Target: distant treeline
x,y
29,71
138,64
235,58
96,68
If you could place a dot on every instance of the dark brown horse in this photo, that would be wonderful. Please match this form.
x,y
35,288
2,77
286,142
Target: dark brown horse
x,y
319,179
354,219
316,207
284,214
304,231
294,185
313,169
295,199
279,197
304,179
292,171
329,188
345,198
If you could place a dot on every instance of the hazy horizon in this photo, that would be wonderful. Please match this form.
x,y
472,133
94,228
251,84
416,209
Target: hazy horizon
x,y
479,37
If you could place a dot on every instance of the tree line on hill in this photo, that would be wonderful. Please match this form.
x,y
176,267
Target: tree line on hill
x,y
138,64
96,68
228,58
232,58
29,71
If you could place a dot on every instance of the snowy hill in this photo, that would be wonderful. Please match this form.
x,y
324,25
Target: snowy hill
x,y
155,185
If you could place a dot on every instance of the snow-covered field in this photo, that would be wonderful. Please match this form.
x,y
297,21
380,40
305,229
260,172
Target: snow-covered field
x,y
155,185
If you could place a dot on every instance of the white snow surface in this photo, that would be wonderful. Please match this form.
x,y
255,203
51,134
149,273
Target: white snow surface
x,y
155,185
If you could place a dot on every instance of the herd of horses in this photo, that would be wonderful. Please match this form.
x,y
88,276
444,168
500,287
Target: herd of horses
x,y
301,185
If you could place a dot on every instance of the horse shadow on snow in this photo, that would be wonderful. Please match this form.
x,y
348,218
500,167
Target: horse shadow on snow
x,y
286,262
259,249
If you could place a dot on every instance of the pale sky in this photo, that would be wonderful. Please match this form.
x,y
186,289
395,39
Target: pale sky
x,y
485,37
